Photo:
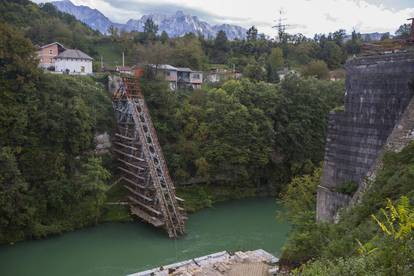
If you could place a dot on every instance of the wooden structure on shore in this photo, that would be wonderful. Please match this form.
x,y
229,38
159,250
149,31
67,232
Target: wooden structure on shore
x,y
151,192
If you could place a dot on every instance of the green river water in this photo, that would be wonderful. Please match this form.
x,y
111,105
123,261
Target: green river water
x,y
122,248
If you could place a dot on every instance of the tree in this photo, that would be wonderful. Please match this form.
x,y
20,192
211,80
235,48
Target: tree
x,y
154,53
339,36
220,48
164,37
316,68
150,30
254,71
403,31
15,206
275,62
252,34
353,46
113,32
18,75
187,52
332,54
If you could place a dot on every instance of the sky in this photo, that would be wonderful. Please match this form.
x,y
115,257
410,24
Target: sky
x,y
303,16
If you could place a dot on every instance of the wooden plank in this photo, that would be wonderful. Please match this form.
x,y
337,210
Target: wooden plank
x,y
132,165
129,155
125,137
126,146
137,193
144,206
179,199
136,184
131,173
147,217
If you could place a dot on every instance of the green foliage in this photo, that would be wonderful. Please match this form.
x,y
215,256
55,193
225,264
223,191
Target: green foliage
x,y
316,68
375,237
348,188
246,135
403,31
49,179
353,266
45,24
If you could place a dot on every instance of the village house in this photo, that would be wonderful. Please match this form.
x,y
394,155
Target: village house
x,y
218,75
47,53
56,58
180,78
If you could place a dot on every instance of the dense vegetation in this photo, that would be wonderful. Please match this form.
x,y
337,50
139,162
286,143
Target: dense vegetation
x,y
244,137
50,179
375,237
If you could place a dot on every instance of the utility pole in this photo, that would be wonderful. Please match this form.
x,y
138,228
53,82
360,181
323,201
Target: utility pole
x,y
123,59
102,62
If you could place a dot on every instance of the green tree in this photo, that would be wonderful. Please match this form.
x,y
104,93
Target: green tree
x,y
403,31
164,38
150,30
220,48
316,68
252,34
275,62
113,32
332,54
16,211
187,52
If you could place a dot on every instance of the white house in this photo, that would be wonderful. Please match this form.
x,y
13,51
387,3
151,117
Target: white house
x,y
73,61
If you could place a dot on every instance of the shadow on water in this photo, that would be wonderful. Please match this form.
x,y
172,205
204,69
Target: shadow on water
x,y
122,248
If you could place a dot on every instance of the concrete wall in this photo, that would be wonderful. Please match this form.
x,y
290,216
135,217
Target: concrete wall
x,y
73,65
377,94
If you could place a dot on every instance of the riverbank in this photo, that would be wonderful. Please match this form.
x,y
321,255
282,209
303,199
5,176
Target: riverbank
x,y
196,198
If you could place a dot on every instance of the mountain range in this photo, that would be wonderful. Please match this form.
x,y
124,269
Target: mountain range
x,y
174,25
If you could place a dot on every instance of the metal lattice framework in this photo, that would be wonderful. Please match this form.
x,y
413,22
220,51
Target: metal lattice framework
x,y
151,192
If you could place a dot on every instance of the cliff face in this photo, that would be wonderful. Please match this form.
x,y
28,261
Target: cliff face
x,y
377,96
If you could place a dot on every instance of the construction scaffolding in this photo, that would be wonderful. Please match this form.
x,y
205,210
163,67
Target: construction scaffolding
x,y
151,192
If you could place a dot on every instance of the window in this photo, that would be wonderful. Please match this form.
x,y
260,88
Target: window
x,y
196,76
50,52
83,69
168,73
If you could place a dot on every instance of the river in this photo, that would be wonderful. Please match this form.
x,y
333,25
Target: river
x,y
122,248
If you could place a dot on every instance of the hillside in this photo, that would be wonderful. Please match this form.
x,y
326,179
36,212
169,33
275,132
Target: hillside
x,y
44,24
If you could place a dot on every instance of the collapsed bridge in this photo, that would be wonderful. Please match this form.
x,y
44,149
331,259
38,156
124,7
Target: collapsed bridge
x,y
144,172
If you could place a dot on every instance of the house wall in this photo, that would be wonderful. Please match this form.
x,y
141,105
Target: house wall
x,y
73,65
170,75
196,77
47,55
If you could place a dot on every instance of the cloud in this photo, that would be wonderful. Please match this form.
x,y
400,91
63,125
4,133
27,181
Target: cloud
x,y
303,16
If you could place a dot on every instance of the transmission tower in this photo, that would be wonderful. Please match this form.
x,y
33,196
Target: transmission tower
x,y
281,25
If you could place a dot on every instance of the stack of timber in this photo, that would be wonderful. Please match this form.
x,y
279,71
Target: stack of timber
x,y
151,192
